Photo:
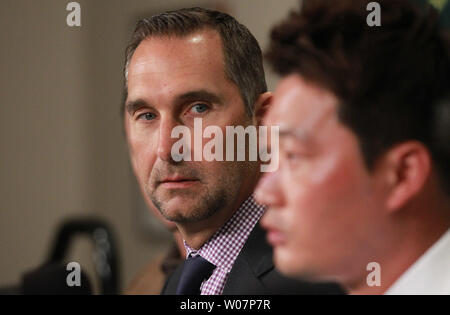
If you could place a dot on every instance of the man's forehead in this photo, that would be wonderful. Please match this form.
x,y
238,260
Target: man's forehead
x,y
170,44
170,57
300,108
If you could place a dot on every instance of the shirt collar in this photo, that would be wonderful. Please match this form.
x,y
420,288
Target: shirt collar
x,y
430,274
224,246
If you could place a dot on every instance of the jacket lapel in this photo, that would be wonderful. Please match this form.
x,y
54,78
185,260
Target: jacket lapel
x,y
254,260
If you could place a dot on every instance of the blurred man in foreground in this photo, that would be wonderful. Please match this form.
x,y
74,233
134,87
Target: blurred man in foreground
x,y
364,116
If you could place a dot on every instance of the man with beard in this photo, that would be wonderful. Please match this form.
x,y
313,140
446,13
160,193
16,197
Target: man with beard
x,y
197,63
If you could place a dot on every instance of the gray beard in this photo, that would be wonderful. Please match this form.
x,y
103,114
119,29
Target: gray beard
x,y
206,208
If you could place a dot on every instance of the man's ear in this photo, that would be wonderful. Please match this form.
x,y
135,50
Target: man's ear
x,y
406,169
262,104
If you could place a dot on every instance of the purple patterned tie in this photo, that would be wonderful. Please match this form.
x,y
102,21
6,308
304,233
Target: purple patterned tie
x,y
195,270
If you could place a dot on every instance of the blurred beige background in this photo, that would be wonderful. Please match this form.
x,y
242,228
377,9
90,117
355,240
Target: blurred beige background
x,y
63,152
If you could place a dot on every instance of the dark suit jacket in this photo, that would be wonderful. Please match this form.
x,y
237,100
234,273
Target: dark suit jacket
x,y
253,273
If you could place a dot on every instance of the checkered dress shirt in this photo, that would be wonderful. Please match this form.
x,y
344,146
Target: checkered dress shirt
x,y
224,246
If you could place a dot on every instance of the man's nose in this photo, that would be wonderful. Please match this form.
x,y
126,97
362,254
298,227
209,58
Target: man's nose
x,y
165,141
269,191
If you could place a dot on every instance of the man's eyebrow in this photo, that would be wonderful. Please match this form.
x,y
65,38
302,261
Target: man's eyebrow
x,y
200,95
132,106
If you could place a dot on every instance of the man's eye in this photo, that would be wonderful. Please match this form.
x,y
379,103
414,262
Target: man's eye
x,y
199,108
291,156
146,116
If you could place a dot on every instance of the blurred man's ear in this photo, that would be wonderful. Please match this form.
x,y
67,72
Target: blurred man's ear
x,y
262,104
405,169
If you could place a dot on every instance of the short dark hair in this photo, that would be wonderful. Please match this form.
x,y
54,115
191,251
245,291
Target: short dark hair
x,y
242,54
390,81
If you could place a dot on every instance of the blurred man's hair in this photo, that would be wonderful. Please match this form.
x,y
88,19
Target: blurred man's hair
x,y
392,81
242,54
